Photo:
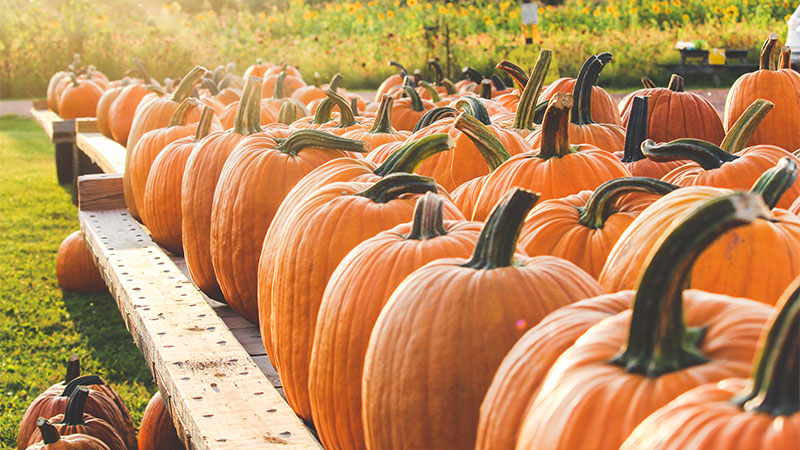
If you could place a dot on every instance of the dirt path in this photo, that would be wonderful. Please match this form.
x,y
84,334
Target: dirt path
x,y
18,107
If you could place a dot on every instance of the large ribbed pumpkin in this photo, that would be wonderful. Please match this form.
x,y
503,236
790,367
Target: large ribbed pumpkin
x,y
446,328
75,267
757,413
157,431
319,234
354,296
625,367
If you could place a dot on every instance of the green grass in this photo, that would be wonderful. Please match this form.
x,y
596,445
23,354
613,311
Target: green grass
x,y
40,326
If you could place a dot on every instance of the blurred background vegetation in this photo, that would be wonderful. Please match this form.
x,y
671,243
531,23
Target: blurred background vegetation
x,y
39,37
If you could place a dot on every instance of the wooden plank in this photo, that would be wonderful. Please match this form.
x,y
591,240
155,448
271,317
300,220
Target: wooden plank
x,y
100,192
219,396
58,130
105,152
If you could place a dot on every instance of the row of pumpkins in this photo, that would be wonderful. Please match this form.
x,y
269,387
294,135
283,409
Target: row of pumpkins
x,y
411,295
83,412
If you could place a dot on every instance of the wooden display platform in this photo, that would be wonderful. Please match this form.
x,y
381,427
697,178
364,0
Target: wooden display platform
x,y
105,153
209,362
61,133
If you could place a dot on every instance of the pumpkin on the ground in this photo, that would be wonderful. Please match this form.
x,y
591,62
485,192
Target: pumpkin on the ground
x,y
75,267
157,431
51,440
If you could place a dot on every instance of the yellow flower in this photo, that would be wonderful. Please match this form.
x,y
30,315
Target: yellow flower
x,y
596,13
513,14
732,11
411,3
677,3
442,9
262,15
717,10
357,5
273,19
389,14
307,15
471,8
381,16
656,9
685,17
396,3
488,20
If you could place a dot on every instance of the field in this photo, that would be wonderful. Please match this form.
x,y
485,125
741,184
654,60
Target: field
x,y
39,37
41,326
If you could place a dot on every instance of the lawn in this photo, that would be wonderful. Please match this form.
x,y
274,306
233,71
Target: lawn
x,y
40,326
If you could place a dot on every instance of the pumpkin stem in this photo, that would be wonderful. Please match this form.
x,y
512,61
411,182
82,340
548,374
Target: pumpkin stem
x,y
428,220
73,368
438,73
181,114
410,156
775,390
74,79
383,117
498,83
676,83
317,80
765,62
323,113
252,113
582,91
288,113
516,72
393,186
280,87
157,89
472,75
335,82
451,88
303,139
637,130
409,81
354,105
143,72
73,415
497,243
648,83
492,150
403,71
786,58
416,101
526,110
602,202
433,115
431,91
708,155
346,116
774,182
209,84
186,85
474,107
555,127
658,340
86,380
204,125
50,434
742,130
486,89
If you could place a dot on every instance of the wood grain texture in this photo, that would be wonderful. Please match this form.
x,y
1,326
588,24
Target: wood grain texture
x,y
105,152
100,192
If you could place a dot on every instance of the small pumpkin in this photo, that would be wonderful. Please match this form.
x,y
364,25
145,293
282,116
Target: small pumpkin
x,y
123,109
79,99
75,267
54,441
407,111
157,431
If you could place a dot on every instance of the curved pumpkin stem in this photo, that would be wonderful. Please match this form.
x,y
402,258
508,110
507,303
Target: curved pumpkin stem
x,y
181,114
516,72
786,58
186,85
498,83
287,114
433,115
582,91
253,112
428,222
393,186
416,101
773,183
50,434
555,127
648,83
73,368
474,107
354,105
73,415
302,139
209,84
526,110
383,117
658,340
335,81
742,130
410,156
451,88
637,130
765,62
431,91
346,116
204,125
708,155
86,380
497,242
775,390
472,75
676,83
403,71
491,149
438,73
486,89
600,205
323,113
144,74
279,92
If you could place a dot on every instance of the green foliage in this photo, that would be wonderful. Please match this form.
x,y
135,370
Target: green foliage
x,y
38,37
40,326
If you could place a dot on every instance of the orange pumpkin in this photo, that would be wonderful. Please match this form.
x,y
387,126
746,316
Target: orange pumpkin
x,y
75,267
104,104
54,441
407,111
307,94
52,96
416,360
737,413
122,110
381,131
393,82
79,99
157,431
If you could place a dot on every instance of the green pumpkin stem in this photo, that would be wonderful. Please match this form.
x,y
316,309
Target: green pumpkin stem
x,y
204,125
648,83
410,156
186,85
354,105
383,117
676,83
323,113
486,89
73,368
516,72
86,380
209,84
428,222
555,127
431,91
472,75
335,82
403,71
416,101
601,203
280,87
767,50
658,340
302,139
253,113
497,242
775,389
144,74
582,91
636,133
451,88
526,110
491,149
181,114
50,434
288,113
746,125
73,415
498,83
706,154
773,183
474,107
438,73
433,115
393,186
157,89
346,116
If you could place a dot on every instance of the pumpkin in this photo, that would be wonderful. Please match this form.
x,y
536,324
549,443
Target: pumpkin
x,y
671,341
103,105
161,208
419,390
252,184
603,106
122,110
675,114
355,295
157,431
291,82
737,413
280,97
52,97
774,243
79,99
557,170
199,182
524,117
407,111
582,228
393,82
338,216
74,421
307,94
102,403
258,69
777,86
75,267
381,131
54,441
269,114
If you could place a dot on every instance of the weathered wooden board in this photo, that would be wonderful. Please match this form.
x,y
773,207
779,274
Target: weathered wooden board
x,y
220,396
105,152
58,130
